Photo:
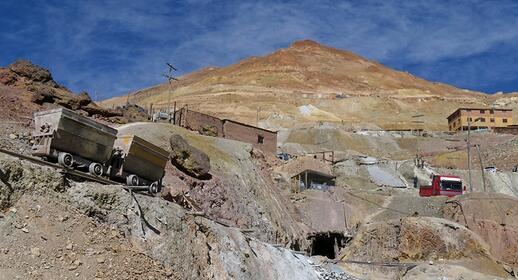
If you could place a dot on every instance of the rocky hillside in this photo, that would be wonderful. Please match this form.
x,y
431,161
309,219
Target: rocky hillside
x,y
26,88
242,222
309,82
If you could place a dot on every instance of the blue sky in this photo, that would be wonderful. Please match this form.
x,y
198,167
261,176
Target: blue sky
x,y
111,47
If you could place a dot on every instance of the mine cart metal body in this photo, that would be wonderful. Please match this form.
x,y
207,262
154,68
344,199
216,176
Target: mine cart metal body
x,y
134,156
72,139
77,142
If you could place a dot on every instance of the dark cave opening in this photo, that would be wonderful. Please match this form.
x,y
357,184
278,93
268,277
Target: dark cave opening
x,y
327,244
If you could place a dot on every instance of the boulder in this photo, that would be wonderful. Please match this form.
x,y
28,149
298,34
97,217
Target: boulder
x,y
188,159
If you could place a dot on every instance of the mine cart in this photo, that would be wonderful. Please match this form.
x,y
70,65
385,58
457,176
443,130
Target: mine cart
x,y
138,162
73,140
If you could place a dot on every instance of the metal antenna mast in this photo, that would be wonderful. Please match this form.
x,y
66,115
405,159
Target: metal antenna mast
x,y
170,78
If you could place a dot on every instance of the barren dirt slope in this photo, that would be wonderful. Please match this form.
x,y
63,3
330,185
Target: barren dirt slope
x,y
309,82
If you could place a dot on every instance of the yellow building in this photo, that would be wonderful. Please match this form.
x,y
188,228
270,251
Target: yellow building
x,y
479,118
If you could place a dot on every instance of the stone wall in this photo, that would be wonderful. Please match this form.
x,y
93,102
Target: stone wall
x,y
196,121
250,134
507,130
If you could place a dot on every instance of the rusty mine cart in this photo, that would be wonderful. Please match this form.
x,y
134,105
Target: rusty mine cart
x,y
77,142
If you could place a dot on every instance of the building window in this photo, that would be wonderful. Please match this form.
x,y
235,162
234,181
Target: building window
x,y
482,119
492,120
504,120
260,139
482,111
470,119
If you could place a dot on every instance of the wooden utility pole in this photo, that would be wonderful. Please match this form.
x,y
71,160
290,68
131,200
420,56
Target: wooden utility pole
x,y
170,78
174,113
418,157
469,153
257,116
481,167
468,148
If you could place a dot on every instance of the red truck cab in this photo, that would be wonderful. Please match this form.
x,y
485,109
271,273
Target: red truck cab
x,y
447,185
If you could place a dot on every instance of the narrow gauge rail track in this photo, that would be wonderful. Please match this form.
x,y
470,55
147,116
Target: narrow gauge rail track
x,y
72,172
388,264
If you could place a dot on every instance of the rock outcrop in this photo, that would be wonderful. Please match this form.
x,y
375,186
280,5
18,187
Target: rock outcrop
x,y
415,239
25,82
31,72
492,216
419,239
187,158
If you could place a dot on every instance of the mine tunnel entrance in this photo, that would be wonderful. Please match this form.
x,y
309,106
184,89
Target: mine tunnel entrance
x,y
327,244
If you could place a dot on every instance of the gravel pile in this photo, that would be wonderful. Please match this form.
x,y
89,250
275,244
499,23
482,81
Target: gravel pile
x,y
325,274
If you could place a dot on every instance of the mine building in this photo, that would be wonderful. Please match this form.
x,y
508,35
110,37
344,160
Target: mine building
x,y
312,179
308,172
260,138
479,118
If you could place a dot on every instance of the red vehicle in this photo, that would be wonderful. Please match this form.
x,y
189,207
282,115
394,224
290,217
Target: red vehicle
x,y
447,185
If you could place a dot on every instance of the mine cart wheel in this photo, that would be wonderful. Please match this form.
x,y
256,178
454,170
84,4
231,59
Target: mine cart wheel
x,y
95,169
132,180
66,159
154,188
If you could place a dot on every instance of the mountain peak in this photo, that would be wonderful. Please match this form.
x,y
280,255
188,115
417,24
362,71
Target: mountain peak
x,y
309,73
305,43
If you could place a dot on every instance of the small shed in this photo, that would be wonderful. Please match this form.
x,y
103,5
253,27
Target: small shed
x,y
312,179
